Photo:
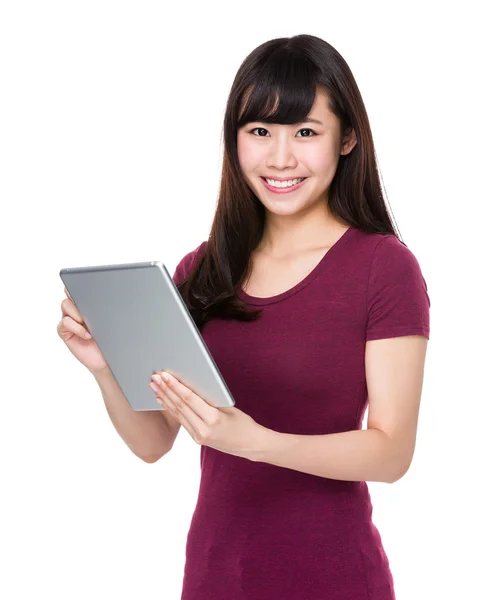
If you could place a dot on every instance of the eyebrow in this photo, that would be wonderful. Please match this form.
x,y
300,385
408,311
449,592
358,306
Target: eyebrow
x,y
310,120
305,120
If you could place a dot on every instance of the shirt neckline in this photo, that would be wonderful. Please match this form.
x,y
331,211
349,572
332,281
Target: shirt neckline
x,y
323,262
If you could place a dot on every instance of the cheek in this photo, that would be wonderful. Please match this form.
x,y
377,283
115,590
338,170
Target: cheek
x,y
249,155
320,160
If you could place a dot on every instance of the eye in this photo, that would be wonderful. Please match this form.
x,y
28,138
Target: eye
x,y
263,129
313,132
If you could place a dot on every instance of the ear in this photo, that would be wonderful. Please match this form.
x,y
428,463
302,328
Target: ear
x,y
349,141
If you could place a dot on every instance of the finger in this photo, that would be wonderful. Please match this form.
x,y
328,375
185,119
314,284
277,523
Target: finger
x,y
189,420
187,397
69,309
69,297
182,406
67,324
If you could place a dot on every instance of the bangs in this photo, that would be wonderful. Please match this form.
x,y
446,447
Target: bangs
x,y
283,93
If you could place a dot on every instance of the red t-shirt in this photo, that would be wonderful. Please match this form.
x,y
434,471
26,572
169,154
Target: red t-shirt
x,y
263,532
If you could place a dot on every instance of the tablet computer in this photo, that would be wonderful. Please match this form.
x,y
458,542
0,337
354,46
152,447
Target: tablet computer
x,y
141,325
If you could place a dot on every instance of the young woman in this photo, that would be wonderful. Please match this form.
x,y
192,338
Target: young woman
x,y
313,309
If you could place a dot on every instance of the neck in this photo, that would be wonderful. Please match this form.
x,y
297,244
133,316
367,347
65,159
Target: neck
x,y
289,235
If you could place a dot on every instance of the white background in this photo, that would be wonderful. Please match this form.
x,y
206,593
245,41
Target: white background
x,y
110,152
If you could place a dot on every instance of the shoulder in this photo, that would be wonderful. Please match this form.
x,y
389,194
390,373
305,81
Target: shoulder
x,y
188,262
390,265
395,271
194,255
391,255
398,301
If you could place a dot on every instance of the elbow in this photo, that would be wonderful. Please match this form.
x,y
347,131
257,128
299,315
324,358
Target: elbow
x,y
400,460
153,458
397,474
150,459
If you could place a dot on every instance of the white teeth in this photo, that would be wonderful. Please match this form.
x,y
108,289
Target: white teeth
x,y
283,184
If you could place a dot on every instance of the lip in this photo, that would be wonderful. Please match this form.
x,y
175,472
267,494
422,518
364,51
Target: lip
x,y
283,178
283,190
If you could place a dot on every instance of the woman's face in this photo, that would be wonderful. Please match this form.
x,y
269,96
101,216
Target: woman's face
x,y
310,150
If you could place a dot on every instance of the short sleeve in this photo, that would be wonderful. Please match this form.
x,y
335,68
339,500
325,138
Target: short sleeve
x,y
397,300
187,263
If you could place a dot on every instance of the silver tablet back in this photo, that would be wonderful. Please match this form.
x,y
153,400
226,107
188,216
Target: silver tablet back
x,y
141,325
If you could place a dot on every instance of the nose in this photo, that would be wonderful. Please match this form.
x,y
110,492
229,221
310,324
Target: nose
x,y
280,155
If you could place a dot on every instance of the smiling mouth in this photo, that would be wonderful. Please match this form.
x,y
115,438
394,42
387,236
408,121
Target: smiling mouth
x,y
283,183
283,188
282,180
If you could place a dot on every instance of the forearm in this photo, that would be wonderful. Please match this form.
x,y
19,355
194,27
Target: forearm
x,y
146,433
357,455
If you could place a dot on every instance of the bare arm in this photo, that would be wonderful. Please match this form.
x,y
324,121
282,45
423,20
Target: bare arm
x,y
146,433
383,451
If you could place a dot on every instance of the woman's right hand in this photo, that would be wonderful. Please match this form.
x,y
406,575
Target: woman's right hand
x,y
71,329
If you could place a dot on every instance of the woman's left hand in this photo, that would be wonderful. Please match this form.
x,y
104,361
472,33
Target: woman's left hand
x,y
228,429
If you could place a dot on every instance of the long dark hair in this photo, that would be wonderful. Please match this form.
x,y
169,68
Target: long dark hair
x,y
277,83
